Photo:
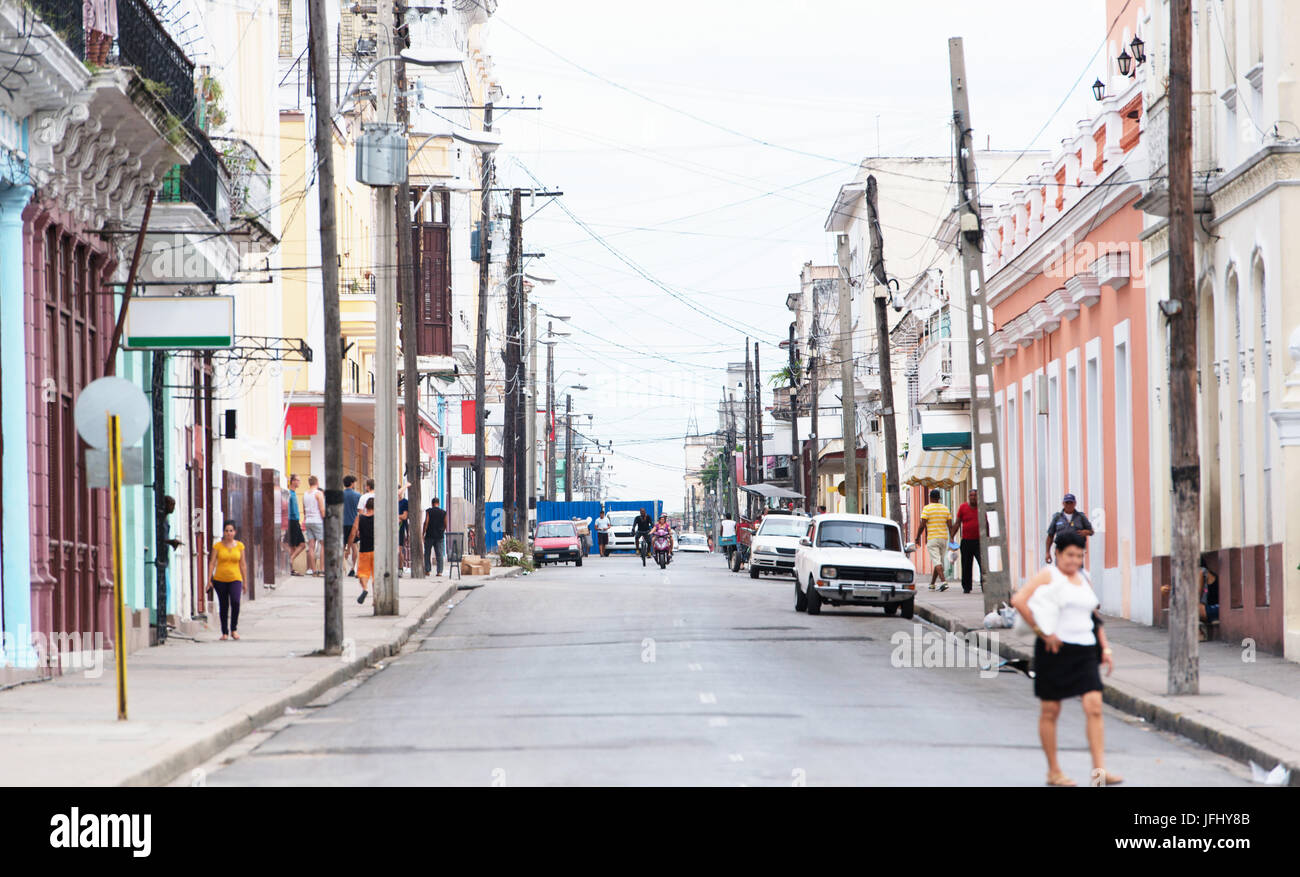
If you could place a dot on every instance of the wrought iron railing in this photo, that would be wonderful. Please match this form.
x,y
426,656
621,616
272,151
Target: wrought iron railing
x,y
64,18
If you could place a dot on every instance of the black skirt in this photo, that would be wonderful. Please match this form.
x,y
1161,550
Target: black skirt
x,y
1071,672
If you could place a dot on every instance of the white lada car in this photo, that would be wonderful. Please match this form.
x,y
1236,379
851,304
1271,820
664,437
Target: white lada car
x,y
857,560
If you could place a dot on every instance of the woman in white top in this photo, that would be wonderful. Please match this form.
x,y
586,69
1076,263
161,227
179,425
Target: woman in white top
x,y
1069,650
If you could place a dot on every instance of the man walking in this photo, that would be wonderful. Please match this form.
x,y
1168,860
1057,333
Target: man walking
x,y
1067,520
969,523
351,503
936,529
435,527
313,525
602,532
295,540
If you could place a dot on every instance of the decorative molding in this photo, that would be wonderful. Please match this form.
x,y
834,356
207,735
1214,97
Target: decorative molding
x,y
1043,319
1112,269
1061,305
1084,289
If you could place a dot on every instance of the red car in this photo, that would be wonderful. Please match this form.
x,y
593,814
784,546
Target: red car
x,y
556,541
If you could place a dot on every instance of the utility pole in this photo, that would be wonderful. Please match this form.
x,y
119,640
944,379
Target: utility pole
x,y
549,493
985,441
749,426
386,445
848,397
814,476
410,364
882,344
318,60
517,384
568,447
480,345
796,458
531,415
759,468
1184,457
732,500
509,484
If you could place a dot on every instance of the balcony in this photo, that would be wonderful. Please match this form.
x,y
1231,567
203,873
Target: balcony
x,y
144,45
943,373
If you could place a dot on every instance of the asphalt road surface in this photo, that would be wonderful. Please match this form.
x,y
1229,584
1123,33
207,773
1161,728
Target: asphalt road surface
x,y
615,674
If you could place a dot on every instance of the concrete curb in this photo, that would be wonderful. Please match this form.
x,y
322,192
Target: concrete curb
x,y
1164,713
187,753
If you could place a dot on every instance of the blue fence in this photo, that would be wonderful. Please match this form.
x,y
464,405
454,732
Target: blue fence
x,y
563,511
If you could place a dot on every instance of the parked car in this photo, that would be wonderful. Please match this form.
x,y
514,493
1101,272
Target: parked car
x,y
858,560
774,545
692,542
556,541
620,531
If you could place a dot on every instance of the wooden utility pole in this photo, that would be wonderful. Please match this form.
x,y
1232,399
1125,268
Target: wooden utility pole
x,y
1184,455
985,439
760,469
410,363
549,492
848,397
318,61
814,475
480,345
530,418
887,417
796,458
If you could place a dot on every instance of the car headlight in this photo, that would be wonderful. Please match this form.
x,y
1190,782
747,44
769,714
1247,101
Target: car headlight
x,y
573,547
904,576
764,549
829,572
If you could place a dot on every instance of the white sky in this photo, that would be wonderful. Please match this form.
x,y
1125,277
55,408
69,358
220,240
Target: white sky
x,y
690,204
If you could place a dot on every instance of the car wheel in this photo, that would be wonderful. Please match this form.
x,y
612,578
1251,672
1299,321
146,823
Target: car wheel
x,y
753,571
800,598
578,562
891,609
908,608
735,561
814,599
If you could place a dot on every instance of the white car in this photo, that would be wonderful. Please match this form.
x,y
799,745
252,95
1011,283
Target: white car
x,y
692,542
620,531
773,547
857,560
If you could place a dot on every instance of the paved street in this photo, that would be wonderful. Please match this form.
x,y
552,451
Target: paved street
x,y
617,675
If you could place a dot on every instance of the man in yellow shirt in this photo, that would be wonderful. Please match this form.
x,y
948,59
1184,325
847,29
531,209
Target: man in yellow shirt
x,y
936,529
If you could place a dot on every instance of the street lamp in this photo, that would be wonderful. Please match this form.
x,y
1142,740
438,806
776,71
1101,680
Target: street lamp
x,y
1125,62
1139,49
438,57
1099,89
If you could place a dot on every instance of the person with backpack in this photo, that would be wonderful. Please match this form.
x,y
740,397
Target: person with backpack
x,y
1068,520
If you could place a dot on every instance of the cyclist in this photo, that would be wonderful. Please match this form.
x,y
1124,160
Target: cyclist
x,y
641,530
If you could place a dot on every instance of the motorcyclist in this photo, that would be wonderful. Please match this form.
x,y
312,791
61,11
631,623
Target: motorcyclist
x,y
641,530
664,529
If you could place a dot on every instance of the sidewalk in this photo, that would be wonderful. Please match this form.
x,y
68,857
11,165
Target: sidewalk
x,y
189,699
1247,710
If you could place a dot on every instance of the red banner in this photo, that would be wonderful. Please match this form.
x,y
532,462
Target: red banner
x,y
301,420
467,407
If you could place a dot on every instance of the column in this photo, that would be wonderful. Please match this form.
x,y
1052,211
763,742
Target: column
x,y
16,561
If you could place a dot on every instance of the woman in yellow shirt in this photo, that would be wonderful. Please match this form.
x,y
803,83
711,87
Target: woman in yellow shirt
x,y
227,572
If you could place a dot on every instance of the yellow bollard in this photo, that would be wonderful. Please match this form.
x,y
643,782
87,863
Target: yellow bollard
x,y
119,601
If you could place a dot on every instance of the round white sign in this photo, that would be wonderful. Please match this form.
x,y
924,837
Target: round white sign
x,y
108,396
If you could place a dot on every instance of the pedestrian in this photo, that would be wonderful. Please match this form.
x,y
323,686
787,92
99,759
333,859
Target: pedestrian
x,y
226,573
296,541
968,522
821,509
1070,647
168,543
435,527
583,526
936,529
351,503
602,532
363,532
403,543
369,494
1067,520
313,526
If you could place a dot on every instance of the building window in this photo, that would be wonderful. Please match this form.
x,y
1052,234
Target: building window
x,y
286,28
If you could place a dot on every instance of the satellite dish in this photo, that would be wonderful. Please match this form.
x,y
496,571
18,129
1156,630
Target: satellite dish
x,y
111,396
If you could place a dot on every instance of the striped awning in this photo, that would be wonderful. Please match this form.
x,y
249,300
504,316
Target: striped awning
x,y
938,468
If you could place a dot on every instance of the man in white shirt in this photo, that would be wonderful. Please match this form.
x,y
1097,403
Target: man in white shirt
x,y
603,525
727,535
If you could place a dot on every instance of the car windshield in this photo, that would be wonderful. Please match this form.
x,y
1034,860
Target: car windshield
x,y
859,534
622,519
556,531
692,539
783,525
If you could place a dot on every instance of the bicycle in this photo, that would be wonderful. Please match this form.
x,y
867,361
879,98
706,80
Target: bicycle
x,y
643,546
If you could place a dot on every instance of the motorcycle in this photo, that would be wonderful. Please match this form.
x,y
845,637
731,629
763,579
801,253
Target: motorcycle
x,y
662,544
